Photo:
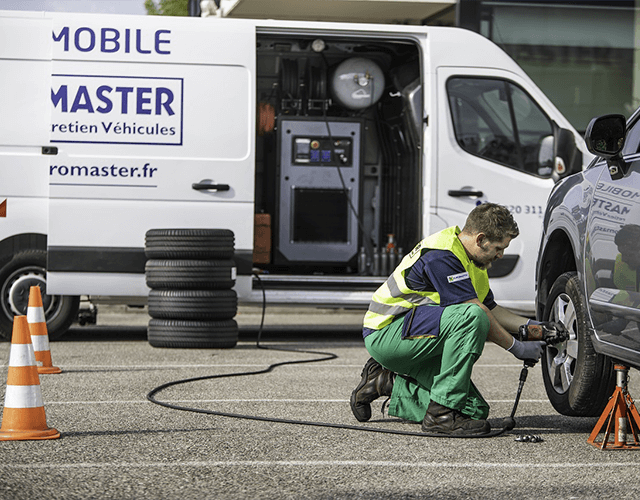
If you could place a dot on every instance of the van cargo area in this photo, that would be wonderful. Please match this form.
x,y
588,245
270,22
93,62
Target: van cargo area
x,y
337,158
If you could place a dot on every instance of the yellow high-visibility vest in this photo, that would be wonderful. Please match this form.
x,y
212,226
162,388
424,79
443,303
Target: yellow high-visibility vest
x,y
395,298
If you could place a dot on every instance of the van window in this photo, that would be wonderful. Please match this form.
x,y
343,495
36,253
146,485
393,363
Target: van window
x,y
632,141
498,121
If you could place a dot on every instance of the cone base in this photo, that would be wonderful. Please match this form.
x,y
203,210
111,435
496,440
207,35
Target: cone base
x,y
49,369
10,435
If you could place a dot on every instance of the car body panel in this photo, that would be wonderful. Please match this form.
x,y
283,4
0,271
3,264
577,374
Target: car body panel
x,y
584,214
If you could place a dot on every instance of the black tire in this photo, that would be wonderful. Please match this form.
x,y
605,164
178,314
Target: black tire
x,y
190,274
193,334
28,268
203,244
578,380
193,304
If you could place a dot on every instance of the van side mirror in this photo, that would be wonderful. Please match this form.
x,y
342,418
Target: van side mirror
x,y
546,156
605,138
568,158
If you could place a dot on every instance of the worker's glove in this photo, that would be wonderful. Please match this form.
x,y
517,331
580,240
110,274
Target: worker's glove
x,y
527,350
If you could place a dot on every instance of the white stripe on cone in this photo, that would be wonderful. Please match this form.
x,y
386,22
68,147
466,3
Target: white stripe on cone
x,y
35,315
23,396
22,355
40,342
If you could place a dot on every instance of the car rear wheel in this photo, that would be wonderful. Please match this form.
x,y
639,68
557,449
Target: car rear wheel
x,y
578,380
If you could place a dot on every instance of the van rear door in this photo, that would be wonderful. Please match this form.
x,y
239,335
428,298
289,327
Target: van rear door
x,y
25,73
154,121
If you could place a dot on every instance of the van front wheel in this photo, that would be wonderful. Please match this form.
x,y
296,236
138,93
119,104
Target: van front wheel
x,y
26,269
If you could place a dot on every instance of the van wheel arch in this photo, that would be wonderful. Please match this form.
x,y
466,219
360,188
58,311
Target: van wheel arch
x,y
23,269
18,242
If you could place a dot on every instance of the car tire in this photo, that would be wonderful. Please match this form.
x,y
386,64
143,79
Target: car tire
x,y
578,380
28,268
200,244
193,334
193,304
190,274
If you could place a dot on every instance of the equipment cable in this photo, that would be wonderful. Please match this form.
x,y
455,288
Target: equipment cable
x,y
508,423
289,72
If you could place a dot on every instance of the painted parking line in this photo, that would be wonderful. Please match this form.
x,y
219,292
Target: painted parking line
x,y
324,463
249,400
236,365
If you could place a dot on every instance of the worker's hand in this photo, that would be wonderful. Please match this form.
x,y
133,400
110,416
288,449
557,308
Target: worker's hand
x,y
527,350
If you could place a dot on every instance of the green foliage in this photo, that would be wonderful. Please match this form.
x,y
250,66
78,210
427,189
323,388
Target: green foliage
x,y
167,7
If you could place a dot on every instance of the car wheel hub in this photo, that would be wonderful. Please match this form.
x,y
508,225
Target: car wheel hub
x,y
561,358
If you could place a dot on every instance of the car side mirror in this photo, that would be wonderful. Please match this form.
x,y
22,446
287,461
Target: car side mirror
x,y
605,138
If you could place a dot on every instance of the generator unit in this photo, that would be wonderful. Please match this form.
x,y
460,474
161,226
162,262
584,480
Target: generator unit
x,y
318,189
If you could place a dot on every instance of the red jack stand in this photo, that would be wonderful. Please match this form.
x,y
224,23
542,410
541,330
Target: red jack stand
x,y
621,410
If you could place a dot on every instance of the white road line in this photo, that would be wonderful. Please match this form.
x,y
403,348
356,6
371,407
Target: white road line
x,y
324,463
257,366
176,401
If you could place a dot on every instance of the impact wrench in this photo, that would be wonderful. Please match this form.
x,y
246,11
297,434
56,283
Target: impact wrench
x,y
549,335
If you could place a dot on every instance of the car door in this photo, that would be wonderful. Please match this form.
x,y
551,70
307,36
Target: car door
x,y
153,118
612,250
495,144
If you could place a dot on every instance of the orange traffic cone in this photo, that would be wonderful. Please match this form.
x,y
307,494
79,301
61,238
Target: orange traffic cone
x,y
39,333
23,416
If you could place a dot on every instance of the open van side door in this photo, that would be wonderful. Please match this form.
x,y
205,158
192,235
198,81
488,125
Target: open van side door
x,y
154,122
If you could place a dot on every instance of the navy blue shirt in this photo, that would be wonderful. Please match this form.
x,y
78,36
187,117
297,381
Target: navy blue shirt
x,y
437,271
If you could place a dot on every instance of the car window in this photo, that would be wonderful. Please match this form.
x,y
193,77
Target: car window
x,y
498,121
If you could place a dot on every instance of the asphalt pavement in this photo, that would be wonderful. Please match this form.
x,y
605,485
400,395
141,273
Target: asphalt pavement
x,y
116,444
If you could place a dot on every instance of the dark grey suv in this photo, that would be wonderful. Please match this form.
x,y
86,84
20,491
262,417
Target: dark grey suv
x,y
588,271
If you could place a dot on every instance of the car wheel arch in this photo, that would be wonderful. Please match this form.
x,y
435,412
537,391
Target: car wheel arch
x,y
557,258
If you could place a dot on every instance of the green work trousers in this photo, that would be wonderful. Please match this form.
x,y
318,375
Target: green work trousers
x,y
437,368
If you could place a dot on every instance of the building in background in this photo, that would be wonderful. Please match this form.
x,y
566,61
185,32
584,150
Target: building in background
x,y
585,55
357,11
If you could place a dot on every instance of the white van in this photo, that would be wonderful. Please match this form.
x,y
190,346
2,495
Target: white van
x,y
345,143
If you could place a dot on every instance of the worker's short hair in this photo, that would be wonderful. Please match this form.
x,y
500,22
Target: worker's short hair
x,y
494,220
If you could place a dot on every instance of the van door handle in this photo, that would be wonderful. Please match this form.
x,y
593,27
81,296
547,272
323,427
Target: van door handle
x,y
206,186
462,192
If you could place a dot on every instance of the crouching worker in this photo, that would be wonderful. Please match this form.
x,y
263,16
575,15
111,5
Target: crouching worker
x,y
427,325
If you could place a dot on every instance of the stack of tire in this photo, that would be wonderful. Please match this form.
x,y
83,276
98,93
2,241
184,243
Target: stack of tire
x,y
191,273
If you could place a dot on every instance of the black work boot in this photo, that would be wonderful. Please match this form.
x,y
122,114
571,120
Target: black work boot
x,y
442,420
376,381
